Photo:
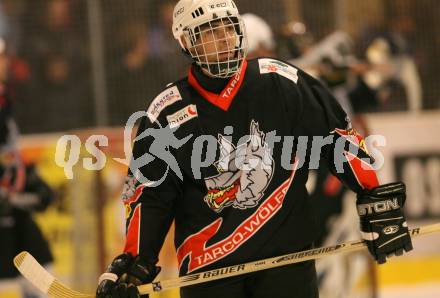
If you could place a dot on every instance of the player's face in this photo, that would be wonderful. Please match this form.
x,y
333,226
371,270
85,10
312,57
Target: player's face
x,y
215,42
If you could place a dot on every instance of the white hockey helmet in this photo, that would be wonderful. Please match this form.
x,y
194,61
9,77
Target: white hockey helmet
x,y
192,17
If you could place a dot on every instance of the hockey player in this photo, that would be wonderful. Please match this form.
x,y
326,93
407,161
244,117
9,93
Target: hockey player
x,y
243,200
22,191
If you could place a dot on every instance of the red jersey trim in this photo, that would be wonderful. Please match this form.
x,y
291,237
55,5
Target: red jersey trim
x,y
133,235
20,180
353,137
362,171
225,98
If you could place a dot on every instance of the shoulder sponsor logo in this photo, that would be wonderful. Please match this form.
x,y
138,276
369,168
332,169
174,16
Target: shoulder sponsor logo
x,y
281,68
163,100
182,116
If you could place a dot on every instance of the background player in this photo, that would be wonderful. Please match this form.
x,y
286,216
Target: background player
x,y
22,192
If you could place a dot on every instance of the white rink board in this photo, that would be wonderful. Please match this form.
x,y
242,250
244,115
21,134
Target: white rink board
x,y
405,133
412,135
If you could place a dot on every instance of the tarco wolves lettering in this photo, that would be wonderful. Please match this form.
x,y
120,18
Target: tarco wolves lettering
x,y
244,173
230,87
195,248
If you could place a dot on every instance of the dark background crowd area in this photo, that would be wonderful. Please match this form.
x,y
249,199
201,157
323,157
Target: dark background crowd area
x,y
49,42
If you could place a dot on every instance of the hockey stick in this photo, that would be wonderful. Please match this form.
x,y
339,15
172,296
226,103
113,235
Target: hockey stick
x,y
48,284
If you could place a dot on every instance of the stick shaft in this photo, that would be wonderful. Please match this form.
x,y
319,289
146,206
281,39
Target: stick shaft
x,y
48,284
288,259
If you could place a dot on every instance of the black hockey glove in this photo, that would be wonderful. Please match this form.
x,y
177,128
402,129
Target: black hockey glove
x,y
123,276
383,224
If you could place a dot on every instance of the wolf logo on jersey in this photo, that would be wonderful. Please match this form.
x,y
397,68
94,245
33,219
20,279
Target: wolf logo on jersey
x,y
244,171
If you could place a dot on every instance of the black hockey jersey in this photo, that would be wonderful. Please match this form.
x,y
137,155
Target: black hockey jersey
x,y
230,168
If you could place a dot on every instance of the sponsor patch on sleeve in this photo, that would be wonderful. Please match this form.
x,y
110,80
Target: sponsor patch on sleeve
x,y
271,65
163,100
187,113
